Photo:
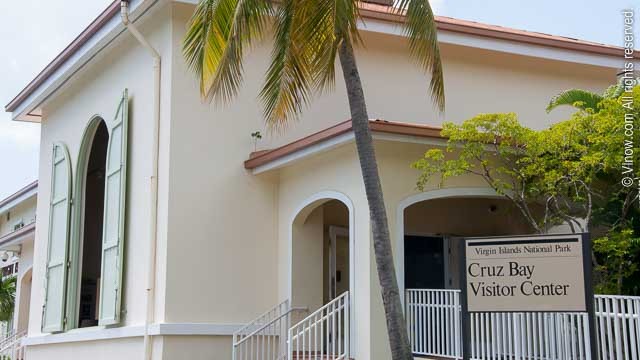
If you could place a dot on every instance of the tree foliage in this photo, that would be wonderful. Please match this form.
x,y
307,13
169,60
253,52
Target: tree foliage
x,y
569,173
306,37
7,298
618,251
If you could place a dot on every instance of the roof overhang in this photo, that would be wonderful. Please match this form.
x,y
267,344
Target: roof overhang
x,y
337,135
98,35
107,27
19,196
18,237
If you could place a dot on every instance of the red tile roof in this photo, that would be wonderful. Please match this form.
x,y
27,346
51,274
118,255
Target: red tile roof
x,y
500,32
367,10
377,126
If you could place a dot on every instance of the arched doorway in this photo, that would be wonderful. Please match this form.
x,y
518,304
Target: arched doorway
x,y
321,267
431,228
322,273
24,301
89,225
429,224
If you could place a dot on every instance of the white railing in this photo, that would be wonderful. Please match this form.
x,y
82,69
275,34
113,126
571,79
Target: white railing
x,y
324,334
434,323
265,337
434,327
552,336
618,327
11,347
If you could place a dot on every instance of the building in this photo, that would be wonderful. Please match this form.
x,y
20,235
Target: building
x,y
172,263
17,235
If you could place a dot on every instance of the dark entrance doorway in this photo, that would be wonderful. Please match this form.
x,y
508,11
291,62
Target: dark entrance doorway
x,y
424,262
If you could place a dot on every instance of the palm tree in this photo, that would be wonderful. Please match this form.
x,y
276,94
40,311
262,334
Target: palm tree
x,y
308,36
584,99
7,298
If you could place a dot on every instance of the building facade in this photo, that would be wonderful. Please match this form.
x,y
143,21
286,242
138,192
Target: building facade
x,y
169,265
17,235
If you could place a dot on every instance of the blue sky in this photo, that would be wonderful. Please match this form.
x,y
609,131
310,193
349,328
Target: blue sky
x,y
33,32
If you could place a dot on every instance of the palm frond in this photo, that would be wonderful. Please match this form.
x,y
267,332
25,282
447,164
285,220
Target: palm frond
x,y
581,99
307,36
333,22
217,35
420,27
289,77
615,91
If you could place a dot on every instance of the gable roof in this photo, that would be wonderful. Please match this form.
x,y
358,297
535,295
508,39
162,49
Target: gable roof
x,y
368,10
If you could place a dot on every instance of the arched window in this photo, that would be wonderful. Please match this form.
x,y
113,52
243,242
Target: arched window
x,y
92,227
83,285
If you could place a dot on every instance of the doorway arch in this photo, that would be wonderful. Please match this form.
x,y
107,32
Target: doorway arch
x,y
24,303
473,194
302,213
305,211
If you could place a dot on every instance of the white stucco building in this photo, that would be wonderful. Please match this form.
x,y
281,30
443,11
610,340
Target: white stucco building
x,y
17,235
181,259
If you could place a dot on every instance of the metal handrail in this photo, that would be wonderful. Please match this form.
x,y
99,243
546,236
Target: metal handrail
x,y
289,311
10,338
324,307
337,312
247,325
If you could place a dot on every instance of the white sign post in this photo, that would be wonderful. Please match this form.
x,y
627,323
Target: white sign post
x,y
542,273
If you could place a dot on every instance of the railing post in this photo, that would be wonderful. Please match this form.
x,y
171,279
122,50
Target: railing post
x,y
289,344
347,322
233,349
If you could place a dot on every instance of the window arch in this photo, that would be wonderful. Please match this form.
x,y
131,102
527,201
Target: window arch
x,y
86,232
88,220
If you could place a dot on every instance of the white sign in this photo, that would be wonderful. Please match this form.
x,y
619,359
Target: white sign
x,y
538,273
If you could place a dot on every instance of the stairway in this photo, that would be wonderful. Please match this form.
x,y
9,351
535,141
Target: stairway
x,y
322,335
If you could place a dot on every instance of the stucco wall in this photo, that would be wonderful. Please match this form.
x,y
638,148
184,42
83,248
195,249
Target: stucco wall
x,y
122,349
96,90
228,215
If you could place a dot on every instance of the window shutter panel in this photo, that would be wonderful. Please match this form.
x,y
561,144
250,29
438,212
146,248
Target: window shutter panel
x,y
59,220
114,217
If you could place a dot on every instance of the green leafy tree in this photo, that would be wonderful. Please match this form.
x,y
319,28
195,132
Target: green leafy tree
x,y
541,172
7,298
568,173
554,175
619,252
308,37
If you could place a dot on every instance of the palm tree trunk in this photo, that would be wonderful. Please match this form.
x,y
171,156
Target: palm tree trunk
x,y
396,327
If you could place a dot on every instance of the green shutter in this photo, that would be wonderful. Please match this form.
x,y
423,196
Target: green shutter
x,y
114,217
59,219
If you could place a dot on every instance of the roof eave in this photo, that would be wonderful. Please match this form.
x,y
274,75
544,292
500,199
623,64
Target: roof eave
x,y
19,196
100,33
335,136
107,26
